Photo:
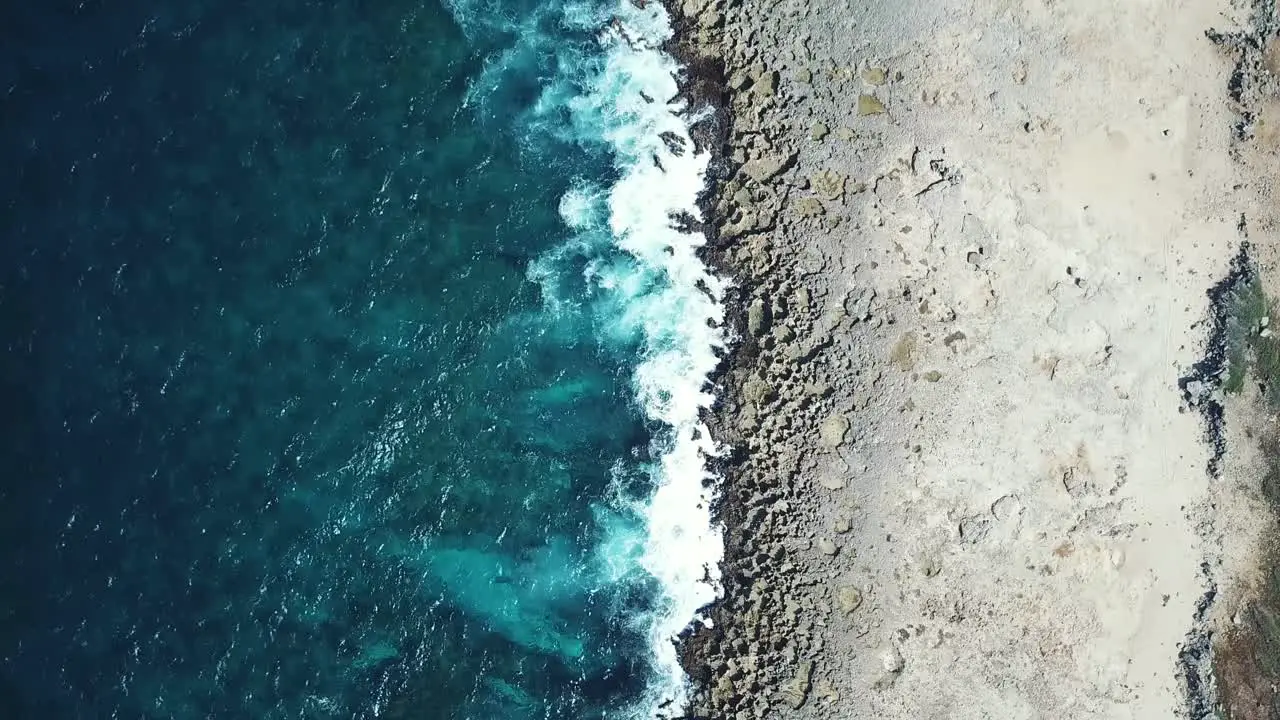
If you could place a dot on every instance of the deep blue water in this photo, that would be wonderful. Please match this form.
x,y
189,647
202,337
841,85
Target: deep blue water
x,y
289,428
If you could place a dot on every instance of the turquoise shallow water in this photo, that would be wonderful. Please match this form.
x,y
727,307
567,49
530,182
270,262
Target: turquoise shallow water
x,y
344,376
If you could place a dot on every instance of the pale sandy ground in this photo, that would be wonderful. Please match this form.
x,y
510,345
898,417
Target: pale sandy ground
x,y
1020,500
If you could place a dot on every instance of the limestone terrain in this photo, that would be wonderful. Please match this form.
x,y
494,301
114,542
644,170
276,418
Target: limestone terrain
x,y
972,243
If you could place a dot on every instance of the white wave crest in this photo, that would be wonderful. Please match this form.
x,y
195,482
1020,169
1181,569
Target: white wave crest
x,y
645,281
674,306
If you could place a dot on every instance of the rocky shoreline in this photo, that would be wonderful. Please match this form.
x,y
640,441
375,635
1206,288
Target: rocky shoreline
x,y
967,303
761,640
722,688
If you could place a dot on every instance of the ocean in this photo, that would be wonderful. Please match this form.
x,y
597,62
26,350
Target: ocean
x,y
353,361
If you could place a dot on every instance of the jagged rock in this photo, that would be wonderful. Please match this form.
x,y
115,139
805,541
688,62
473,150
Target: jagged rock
x,y
756,391
744,225
833,431
757,318
829,184
817,389
758,259
764,83
763,168
802,299
846,134
848,599
723,692
857,304
779,308
932,376
819,131
826,547
870,105
753,218
795,692
842,526
809,207
804,75
826,691
694,8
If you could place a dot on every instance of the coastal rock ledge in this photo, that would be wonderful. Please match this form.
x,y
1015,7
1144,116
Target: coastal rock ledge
x,y
998,430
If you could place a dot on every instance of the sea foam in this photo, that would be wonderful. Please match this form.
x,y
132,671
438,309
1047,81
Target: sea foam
x,y
630,266
674,304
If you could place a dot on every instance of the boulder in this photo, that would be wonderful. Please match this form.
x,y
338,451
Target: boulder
x,y
765,167
757,318
795,692
848,599
833,431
